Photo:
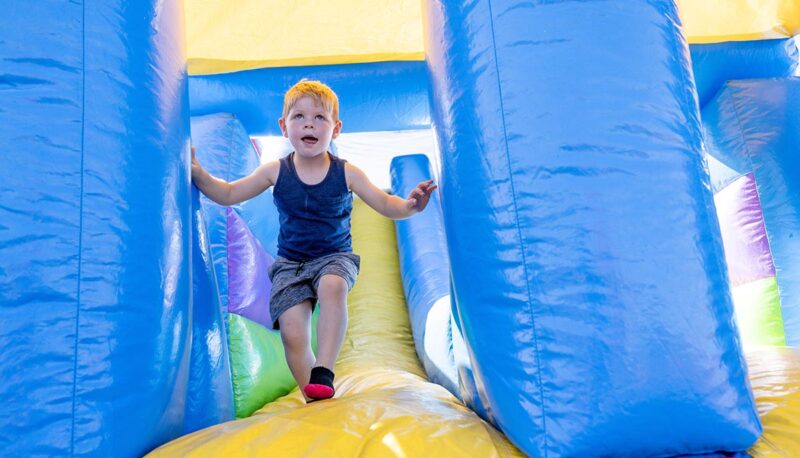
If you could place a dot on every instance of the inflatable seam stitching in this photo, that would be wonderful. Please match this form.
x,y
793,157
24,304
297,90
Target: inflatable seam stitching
x,y
519,230
80,231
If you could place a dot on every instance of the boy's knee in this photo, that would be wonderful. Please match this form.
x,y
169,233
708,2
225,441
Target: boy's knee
x,y
294,338
294,327
333,284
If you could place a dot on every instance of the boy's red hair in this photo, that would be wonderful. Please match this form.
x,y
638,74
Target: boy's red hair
x,y
318,91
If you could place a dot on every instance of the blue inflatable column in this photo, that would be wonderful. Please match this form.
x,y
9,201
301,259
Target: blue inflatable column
x,y
425,269
586,257
94,227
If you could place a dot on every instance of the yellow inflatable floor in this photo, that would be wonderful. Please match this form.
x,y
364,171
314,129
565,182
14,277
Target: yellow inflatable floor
x,y
775,378
385,407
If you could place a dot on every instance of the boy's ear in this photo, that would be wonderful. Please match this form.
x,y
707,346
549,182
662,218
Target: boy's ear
x,y
337,128
282,123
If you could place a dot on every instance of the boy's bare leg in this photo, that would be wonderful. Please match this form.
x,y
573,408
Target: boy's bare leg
x,y
332,325
296,336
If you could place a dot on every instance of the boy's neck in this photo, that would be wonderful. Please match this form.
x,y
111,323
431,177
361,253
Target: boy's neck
x,y
313,170
320,160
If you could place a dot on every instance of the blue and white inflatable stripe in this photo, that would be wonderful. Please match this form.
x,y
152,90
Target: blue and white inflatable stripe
x,y
586,257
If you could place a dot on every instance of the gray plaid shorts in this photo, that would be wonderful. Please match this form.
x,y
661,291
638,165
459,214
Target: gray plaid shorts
x,y
296,281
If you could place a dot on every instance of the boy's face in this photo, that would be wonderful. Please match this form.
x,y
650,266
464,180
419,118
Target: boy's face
x,y
309,127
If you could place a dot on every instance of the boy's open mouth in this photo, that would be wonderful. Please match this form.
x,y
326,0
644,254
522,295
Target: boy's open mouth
x,y
309,140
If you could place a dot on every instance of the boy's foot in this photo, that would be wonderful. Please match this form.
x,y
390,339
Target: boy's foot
x,y
320,384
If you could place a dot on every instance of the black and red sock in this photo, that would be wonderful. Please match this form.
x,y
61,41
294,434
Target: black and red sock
x,y
320,384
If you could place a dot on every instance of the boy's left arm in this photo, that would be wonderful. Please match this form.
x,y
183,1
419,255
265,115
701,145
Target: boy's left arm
x,y
393,207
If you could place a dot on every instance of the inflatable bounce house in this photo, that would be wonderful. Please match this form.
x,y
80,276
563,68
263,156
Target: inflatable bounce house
x,y
609,268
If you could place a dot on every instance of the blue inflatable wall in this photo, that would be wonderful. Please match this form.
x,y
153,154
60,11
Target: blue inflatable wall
x,y
366,102
715,63
586,257
94,227
210,396
754,126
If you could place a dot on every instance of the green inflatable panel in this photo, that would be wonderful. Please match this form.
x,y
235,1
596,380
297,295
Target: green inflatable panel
x,y
758,312
258,364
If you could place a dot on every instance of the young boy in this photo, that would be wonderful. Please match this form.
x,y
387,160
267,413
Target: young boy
x,y
315,259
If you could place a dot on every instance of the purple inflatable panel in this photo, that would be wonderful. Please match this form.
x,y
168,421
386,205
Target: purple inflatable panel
x,y
743,232
248,283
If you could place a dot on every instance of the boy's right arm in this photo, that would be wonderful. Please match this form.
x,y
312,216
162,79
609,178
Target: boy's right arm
x,y
224,193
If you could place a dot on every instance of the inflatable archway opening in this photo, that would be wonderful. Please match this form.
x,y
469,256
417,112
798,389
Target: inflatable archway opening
x,y
134,345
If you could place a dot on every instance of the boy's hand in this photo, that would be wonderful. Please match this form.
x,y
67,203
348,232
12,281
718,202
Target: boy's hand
x,y
419,196
196,167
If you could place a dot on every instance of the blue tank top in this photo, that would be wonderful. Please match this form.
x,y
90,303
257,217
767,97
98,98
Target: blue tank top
x,y
315,219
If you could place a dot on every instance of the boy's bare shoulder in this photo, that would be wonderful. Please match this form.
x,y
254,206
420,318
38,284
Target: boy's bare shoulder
x,y
269,171
352,173
351,170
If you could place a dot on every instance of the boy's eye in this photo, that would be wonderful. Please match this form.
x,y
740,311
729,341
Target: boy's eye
x,y
298,116
320,117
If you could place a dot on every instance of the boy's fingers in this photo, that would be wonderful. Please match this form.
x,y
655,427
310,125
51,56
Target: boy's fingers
x,y
422,191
